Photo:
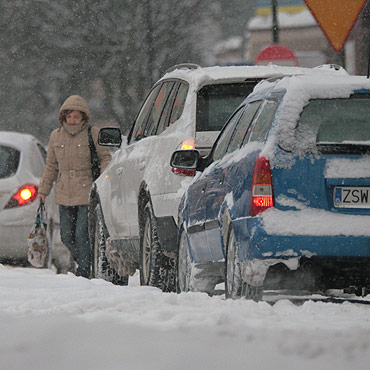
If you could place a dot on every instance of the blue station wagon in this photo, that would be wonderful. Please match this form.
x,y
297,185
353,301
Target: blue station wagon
x,y
283,199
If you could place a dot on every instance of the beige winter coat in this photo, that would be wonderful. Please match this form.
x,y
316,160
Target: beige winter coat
x,y
68,161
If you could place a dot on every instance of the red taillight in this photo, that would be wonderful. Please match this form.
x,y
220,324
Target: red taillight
x,y
25,194
183,171
261,191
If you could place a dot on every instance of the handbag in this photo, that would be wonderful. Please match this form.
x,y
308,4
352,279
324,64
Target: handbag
x,y
37,241
95,163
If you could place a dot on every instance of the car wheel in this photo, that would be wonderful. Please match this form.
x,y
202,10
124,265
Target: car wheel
x,y
183,265
100,265
156,269
233,281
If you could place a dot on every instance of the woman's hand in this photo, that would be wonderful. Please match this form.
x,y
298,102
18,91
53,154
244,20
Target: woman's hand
x,y
41,198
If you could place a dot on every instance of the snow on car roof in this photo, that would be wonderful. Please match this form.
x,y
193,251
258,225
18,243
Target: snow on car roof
x,y
199,76
17,140
317,86
299,91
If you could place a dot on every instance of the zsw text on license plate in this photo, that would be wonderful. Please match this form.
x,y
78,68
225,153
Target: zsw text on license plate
x,y
352,197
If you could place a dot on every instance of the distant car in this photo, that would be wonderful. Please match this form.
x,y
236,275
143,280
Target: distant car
x,y
134,202
283,199
22,162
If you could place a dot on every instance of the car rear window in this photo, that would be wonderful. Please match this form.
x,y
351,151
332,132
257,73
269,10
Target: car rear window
x,y
9,161
216,103
332,125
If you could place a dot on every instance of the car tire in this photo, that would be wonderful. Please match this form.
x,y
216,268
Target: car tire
x,y
156,269
233,280
101,268
183,265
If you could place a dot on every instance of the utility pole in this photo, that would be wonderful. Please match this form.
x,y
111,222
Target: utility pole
x,y
150,53
275,25
368,64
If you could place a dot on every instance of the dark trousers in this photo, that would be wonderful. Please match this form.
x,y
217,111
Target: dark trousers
x,y
75,236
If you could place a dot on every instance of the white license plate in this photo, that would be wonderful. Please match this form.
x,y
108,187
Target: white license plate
x,y
352,197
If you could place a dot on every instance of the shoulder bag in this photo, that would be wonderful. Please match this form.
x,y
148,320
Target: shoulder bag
x,y
95,163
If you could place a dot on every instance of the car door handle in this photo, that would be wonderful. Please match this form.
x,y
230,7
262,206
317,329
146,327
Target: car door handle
x,y
119,171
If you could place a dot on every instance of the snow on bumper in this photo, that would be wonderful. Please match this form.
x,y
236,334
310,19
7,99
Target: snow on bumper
x,y
314,222
254,271
287,236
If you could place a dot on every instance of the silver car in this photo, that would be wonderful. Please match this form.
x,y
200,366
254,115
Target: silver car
x,y
22,162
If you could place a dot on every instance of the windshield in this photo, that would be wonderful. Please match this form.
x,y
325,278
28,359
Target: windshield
x,y
216,103
332,125
9,160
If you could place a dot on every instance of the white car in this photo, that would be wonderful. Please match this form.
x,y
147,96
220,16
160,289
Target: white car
x,y
22,162
134,203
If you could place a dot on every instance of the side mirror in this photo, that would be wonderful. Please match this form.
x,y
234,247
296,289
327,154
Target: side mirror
x,y
185,159
110,136
185,162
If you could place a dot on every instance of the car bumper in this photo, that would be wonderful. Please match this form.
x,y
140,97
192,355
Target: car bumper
x,y
15,226
13,243
260,249
258,241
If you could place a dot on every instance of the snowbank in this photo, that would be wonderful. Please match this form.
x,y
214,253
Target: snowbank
x,y
59,322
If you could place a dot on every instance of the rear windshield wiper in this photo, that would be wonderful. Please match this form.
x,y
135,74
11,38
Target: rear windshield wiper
x,y
343,148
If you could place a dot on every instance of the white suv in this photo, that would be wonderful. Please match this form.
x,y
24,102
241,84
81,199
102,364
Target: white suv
x,y
134,203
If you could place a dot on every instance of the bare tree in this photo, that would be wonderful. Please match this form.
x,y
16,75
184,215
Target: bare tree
x,y
49,50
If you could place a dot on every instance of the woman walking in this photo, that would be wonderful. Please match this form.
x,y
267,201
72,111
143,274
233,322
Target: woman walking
x,y
68,164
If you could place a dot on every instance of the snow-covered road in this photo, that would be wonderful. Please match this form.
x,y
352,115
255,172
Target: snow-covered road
x,y
62,322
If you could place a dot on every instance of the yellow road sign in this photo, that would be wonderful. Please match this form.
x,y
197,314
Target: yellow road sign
x,y
336,18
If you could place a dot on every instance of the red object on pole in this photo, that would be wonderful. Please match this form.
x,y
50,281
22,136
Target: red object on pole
x,y
278,54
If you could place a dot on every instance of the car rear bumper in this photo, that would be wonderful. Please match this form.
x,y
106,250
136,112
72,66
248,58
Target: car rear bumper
x,y
260,250
13,242
295,240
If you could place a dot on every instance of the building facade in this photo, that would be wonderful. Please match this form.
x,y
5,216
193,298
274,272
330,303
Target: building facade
x,y
299,31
